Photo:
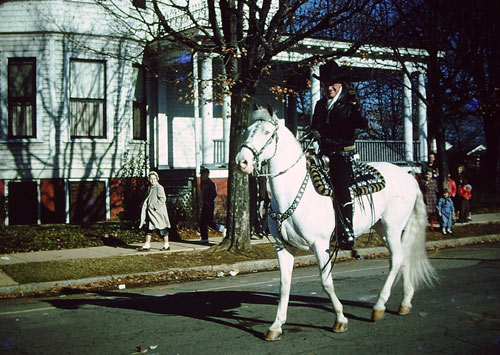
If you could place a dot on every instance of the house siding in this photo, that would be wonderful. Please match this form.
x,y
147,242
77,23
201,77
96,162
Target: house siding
x,y
54,32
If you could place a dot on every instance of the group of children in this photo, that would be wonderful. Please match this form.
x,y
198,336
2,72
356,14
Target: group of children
x,y
454,201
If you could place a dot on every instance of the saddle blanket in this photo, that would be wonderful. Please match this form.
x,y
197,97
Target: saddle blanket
x,y
366,179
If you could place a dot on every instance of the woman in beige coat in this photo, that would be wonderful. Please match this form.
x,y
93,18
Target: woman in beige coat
x,y
154,215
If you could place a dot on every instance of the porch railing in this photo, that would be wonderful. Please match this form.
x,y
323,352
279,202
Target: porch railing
x,y
391,151
219,151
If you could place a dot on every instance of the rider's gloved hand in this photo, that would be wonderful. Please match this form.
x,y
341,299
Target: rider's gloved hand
x,y
352,97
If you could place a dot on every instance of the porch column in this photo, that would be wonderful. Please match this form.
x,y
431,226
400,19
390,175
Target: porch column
x,y
161,127
315,88
196,109
407,118
226,116
422,118
207,113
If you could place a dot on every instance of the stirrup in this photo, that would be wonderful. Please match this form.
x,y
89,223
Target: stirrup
x,y
346,243
347,240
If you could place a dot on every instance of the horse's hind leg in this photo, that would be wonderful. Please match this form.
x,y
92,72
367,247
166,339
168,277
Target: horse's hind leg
x,y
285,261
408,291
393,240
325,269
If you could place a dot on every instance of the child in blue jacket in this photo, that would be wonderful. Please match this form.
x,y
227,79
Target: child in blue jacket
x,y
446,209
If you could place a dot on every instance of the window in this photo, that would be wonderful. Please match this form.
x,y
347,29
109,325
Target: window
x,y
87,99
87,201
23,202
139,106
22,97
139,3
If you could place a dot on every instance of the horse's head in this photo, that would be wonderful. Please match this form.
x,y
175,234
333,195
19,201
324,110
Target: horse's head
x,y
261,141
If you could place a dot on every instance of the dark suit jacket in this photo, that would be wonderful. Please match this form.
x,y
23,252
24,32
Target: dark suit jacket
x,y
343,119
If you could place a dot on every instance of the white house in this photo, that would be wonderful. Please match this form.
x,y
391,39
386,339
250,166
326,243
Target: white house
x,y
76,99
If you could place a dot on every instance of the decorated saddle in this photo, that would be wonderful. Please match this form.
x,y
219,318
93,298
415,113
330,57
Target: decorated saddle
x,y
366,179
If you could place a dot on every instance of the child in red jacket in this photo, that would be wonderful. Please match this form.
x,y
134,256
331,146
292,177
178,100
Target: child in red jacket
x,y
464,193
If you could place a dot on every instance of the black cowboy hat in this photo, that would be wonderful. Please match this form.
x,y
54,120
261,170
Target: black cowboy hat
x,y
330,72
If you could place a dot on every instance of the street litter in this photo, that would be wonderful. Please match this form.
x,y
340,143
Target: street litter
x,y
5,258
220,274
153,347
121,287
234,272
140,350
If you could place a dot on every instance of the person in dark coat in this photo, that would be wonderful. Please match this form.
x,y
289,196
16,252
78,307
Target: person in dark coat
x,y
154,215
208,196
429,187
336,118
432,165
464,193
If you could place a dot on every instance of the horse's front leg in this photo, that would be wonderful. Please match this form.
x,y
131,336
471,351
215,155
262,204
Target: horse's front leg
x,y
325,270
285,261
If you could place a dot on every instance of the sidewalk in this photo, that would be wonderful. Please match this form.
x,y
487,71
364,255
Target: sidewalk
x,y
9,286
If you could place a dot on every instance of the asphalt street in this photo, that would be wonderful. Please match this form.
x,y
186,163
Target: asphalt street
x,y
460,315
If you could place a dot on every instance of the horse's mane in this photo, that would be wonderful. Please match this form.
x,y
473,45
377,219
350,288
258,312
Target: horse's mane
x,y
263,114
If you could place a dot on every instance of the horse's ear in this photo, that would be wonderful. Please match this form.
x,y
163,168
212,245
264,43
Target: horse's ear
x,y
270,110
255,107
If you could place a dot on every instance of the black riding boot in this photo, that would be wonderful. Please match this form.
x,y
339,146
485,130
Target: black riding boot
x,y
346,234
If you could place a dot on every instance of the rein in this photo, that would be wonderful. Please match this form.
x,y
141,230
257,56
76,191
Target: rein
x,y
281,217
256,153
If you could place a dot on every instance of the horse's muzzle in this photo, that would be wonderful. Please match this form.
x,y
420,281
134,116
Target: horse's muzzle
x,y
244,160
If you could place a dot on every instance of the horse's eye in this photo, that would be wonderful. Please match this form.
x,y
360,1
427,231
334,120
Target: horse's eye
x,y
266,131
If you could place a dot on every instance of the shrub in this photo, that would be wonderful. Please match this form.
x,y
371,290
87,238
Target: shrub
x,y
133,185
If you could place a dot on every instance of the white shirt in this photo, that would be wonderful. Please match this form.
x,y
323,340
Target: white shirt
x,y
330,103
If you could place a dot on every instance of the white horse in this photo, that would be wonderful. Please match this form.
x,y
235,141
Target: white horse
x,y
305,220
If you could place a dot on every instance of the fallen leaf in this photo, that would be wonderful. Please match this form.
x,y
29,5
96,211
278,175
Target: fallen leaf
x,y
140,350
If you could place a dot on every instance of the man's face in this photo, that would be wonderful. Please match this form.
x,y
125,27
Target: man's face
x,y
331,89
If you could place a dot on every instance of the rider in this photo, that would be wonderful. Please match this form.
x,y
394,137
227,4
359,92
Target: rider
x,y
335,120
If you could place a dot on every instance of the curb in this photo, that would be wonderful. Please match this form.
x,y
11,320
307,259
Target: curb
x,y
113,281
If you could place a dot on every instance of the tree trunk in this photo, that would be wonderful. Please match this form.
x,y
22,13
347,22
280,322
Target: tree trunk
x,y
436,117
490,169
238,222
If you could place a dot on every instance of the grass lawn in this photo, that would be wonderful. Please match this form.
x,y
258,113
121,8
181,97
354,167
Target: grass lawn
x,y
86,268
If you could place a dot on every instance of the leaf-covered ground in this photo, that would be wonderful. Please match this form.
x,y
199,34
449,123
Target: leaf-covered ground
x,y
169,266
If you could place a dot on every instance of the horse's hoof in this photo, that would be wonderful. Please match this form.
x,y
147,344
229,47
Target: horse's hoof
x,y
273,335
339,327
377,314
404,310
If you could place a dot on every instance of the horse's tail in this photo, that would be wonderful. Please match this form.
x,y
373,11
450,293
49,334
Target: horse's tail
x,y
415,253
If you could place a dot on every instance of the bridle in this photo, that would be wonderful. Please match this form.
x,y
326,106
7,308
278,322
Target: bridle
x,y
277,216
256,153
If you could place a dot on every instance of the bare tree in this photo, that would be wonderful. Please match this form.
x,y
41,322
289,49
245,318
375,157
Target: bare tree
x,y
476,53
462,67
246,35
